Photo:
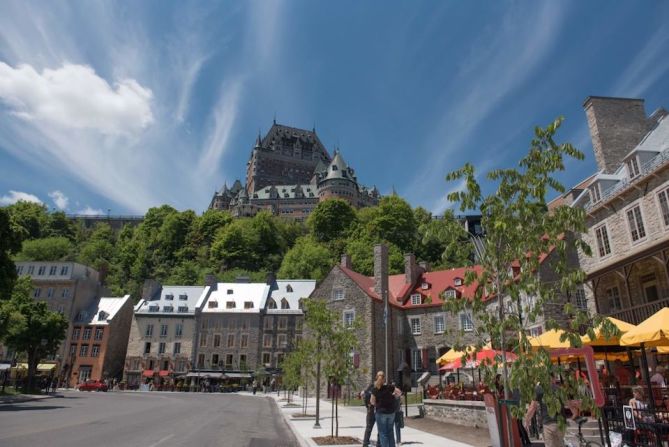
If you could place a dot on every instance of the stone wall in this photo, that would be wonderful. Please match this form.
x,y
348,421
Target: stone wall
x,y
459,412
117,341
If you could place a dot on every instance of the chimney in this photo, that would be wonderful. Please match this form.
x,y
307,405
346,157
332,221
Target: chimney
x,y
616,125
211,281
410,268
271,278
425,266
346,261
381,270
150,289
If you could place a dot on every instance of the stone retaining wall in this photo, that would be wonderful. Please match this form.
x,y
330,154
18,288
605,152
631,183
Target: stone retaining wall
x,y
459,412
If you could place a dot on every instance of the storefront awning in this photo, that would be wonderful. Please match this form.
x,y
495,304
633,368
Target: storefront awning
x,y
164,373
148,373
238,375
5,366
40,366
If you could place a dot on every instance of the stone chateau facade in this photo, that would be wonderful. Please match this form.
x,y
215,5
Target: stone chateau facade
x,y
289,173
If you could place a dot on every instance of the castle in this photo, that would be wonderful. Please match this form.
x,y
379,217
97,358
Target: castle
x,y
288,173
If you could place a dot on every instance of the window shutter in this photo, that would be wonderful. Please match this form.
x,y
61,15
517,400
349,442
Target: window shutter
x,y
426,358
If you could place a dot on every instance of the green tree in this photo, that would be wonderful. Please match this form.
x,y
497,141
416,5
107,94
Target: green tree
x,y
46,249
360,247
331,219
393,221
307,259
444,242
9,243
29,219
99,249
33,330
59,225
519,230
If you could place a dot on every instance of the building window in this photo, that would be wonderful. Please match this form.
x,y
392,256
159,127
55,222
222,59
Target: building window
x,y
73,349
230,305
603,246
299,323
267,341
228,361
415,325
244,341
83,351
98,333
75,333
149,330
633,167
268,323
49,292
37,291
613,297
338,294
283,323
163,330
182,309
416,363
95,351
200,360
19,270
595,193
147,347
349,317
231,341
663,198
214,360
439,324
177,348
63,270
179,330
203,340
415,299
466,323
242,361
284,304
248,304
52,270
581,302
87,334
271,304
266,358
635,221
244,324
458,282
217,340
282,342
60,309
41,270
161,347
212,304
450,293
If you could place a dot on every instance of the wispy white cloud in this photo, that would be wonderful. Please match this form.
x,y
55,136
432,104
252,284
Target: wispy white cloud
x,y
649,66
18,196
74,96
89,211
59,199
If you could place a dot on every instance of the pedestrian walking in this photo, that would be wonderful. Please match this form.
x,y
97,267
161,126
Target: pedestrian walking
x,y
399,418
371,418
384,400
254,385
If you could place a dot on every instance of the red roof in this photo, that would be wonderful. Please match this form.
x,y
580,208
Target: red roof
x,y
400,291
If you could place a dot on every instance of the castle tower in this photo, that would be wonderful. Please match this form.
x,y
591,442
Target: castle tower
x,y
338,181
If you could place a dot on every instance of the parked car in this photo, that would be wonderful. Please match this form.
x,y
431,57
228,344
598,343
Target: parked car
x,y
93,385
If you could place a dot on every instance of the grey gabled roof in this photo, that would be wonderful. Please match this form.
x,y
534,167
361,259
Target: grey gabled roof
x,y
281,135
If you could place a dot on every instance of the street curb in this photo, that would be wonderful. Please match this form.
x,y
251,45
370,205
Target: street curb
x,y
303,442
22,399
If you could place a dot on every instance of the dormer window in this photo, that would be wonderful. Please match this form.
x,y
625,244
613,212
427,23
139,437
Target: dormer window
x,y
425,286
289,288
248,304
230,305
168,309
169,297
416,299
102,315
183,309
458,282
450,293
272,304
154,308
633,167
229,292
595,193
213,304
183,297
284,304
334,167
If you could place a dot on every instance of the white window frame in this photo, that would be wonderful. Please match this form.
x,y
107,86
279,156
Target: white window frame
x,y
177,348
643,227
603,230
163,330
665,217
580,299
149,330
338,294
467,325
610,296
450,293
416,299
416,329
438,330
416,359
595,193
348,317
281,341
179,330
633,169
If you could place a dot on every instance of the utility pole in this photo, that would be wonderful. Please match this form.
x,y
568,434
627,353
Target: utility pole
x,y
385,323
318,385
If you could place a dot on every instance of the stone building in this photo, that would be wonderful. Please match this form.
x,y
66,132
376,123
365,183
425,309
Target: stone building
x,y
164,326
67,288
417,325
627,208
99,340
288,173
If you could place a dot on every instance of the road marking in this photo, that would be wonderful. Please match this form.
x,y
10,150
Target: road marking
x,y
162,440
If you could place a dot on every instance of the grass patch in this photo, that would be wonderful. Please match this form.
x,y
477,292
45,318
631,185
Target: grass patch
x,y
9,391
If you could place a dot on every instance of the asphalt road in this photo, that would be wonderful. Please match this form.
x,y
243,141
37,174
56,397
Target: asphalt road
x,y
145,420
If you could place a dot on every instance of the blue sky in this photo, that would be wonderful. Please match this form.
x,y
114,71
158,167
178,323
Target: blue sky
x,y
122,106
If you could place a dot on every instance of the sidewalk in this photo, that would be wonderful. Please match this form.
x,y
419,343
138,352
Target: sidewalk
x,y
352,423
20,398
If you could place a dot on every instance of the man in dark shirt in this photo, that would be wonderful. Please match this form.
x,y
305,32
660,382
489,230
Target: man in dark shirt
x,y
553,436
367,394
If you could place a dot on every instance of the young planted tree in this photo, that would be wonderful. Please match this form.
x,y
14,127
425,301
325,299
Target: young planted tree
x,y
33,329
520,233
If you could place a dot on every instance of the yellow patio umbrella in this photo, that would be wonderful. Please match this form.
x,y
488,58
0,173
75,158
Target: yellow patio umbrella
x,y
550,339
452,355
601,340
653,331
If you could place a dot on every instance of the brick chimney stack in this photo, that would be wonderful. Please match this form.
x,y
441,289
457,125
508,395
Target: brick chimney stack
x,y
410,268
346,261
424,265
211,281
616,125
381,270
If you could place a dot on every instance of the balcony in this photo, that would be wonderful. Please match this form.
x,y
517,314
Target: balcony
x,y
636,314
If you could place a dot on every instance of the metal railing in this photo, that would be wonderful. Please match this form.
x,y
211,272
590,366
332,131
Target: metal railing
x,y
636,314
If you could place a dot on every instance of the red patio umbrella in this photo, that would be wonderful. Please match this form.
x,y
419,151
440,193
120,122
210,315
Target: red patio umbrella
x,y
489,355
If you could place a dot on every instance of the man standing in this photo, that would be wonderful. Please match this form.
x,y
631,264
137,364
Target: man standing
x,y
553,436
367,394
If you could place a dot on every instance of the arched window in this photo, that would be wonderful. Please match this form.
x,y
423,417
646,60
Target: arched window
x,y
284,304
272,304
289,288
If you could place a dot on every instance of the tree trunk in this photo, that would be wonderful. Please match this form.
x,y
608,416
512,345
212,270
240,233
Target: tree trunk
x,y
32,368
332,412
337,414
